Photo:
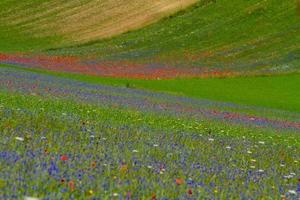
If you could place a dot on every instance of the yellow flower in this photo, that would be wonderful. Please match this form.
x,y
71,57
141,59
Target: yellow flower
x,y
90,192
124,169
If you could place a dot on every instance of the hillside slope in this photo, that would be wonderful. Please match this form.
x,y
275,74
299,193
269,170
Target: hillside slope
x,y
28,24
211,38
253,35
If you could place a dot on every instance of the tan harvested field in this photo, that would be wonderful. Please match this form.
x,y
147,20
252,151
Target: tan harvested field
x,y
87,20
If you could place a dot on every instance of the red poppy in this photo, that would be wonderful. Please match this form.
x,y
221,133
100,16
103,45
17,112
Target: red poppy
x,y
190,192
128,195
64,158
179,181
71,185
153,196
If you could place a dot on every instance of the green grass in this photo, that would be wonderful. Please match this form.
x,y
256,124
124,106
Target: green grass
x,y
12,41
278,92
16,39
28,25
240,35
254,35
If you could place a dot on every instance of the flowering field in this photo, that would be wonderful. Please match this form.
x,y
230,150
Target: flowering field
x,y
62,138
203,104
72,64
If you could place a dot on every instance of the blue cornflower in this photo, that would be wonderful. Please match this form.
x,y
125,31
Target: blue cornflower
x,y
53,170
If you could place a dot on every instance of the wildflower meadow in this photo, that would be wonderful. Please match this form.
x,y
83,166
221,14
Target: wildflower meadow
x,y
149,100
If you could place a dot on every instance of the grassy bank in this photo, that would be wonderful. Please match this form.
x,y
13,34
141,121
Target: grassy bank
x,y
278,92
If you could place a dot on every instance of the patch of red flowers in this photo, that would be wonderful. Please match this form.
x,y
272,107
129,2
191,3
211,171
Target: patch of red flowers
x,y
64,158
153,197
117,69
190,192
179,181
71,185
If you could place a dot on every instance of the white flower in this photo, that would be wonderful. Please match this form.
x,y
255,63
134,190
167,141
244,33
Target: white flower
x,y
43,138
115,194
292,174
149,167
228,147
282,165
30,198
155,145
19,138
210,139
135,151
261,170
92,136
288,176
261,142
249,152
293,192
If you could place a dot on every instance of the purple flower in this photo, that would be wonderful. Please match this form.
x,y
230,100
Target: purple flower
x,y
53,170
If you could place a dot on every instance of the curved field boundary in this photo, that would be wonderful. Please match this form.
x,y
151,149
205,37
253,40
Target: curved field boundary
x,y
117,69
82,21
43,85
